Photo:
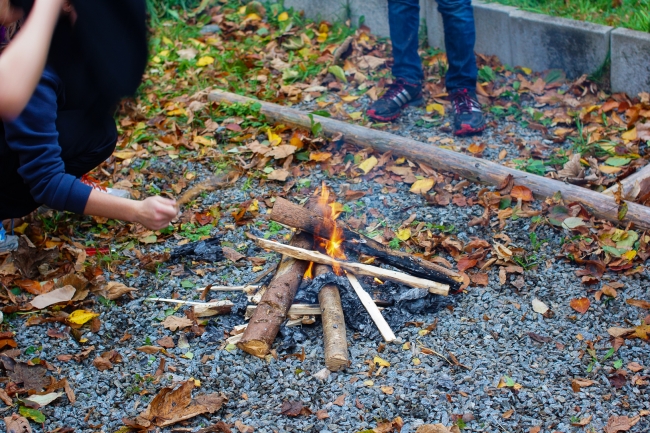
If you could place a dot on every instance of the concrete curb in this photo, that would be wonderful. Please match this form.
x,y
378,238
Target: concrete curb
x,y
519,38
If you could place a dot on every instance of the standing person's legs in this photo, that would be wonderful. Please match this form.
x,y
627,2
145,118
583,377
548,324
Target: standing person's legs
x,y
404,21
460,36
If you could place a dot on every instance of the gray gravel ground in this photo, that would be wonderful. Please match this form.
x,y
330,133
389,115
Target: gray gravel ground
x,y
486,329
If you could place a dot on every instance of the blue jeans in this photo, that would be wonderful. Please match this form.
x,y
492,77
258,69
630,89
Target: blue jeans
x,y
460,35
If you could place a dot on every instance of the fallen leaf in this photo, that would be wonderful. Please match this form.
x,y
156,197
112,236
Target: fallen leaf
x,y
63,294
581,305
282,151
17,424
617,424
39,401
174,323
319,156
582,422
79,317
205,61
291,408
232,254
340,400
539,306
620,332
170,406
639,303
438,108
507,414
578,383
243,428
388,390
521,192
422,186
634,366
322,414
149,349
32,377
437,428
33,287
476,148
279,174
465,264
114,290
102,364
404,234
368,164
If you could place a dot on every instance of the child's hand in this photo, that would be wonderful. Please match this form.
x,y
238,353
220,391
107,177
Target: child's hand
x,y
155,213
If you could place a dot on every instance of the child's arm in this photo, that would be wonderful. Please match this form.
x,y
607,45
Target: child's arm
x,y
22,62
155,213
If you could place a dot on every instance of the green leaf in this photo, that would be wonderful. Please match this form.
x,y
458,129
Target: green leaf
x,y
629,240
613,251
186,284
622,211
33,414
609,354
618,364
338,72
617,161
505,203
322,113
509,381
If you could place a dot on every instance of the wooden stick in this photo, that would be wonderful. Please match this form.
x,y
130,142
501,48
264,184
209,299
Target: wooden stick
x,y
290,214
201,309
276,302
334,333
471,168
357,268
294,310
630,183
229,288
372,309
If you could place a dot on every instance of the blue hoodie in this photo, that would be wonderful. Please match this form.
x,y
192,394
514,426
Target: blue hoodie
x,y
34,138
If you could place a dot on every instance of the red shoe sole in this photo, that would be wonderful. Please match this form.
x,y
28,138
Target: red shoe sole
x,y
468,130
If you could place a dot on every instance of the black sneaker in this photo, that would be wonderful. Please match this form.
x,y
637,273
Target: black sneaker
x,y
468,117
399,95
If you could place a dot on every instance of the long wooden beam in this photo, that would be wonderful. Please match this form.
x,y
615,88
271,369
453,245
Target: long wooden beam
x,y
475,169
630,182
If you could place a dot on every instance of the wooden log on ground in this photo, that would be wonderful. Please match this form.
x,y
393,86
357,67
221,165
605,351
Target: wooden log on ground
x,y
334,335
285,212
356,268
631,184
294,310
274,305
469,167
372,309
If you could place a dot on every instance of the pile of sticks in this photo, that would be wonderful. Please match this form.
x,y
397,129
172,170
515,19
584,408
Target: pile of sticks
x,y
276,303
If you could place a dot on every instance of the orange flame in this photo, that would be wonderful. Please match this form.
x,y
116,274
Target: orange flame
x,y
333,245
309,274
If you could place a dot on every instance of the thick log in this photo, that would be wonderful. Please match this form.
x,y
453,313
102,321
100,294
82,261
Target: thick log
x,y
469,167
372,309
294,310
285,212
355,268
631,184
334,335
274,305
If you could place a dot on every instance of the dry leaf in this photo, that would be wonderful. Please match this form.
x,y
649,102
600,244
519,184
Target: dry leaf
x,y
437,428
521,192
114,290
539,306
581,305
639,303
319,156
388,390
368,164
578,383
422,186
243,428
63,294
279,174
507,414
617,424
232,254
17,424
282,151
174,323
340,400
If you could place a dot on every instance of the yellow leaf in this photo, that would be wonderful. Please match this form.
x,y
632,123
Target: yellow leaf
x,y
422,186
609,170
163,53
629,135
283,16
167,41
322,37
274,138
399,161
323,28
177,112
202,140
124,154
79,317
368,164
350,98
630,255
356,115
527,71
254,207
438,108
156,59
205,61
423,332
368,382
319,156
416,361
381,362
404,234
253,17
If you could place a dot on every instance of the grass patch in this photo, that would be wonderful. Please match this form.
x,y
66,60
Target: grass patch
x,y
631,14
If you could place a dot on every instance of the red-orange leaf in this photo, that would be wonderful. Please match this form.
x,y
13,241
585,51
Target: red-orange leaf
x,y
581,305
464,264
522,192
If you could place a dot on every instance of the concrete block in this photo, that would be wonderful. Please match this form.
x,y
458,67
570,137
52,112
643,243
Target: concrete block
x,y
375,15
630,72
435,30
542,42
493,33
333,10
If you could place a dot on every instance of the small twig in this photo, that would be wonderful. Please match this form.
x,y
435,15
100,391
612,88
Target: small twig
x,y
372,309
202,304
437,354
247,288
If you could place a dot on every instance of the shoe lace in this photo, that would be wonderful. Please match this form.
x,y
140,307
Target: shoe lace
x,y
393,90
463,102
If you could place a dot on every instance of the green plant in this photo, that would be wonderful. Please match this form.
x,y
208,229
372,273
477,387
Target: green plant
x,y
193,232
534,242
526,261
394,243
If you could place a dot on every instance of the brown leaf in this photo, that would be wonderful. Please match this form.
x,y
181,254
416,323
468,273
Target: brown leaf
x,y
219,427
583,422
322,414
578,383
465,264
481,279
609,291
507,414
437,428
5,398
539,338
521,192
340,400
232,254
639,303
63,294
572,169
617,424
618,379
102,364
166,342
243,428
581,305
55,333
279,174
114,290
476,148
282,151
634,366
388,390
291,408
17,424
149,349
620,332
34,287
32,377
170,406
174,323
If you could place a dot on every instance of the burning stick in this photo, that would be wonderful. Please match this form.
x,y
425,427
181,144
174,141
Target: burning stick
x,y
372,309
356,268
290,214
334,336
